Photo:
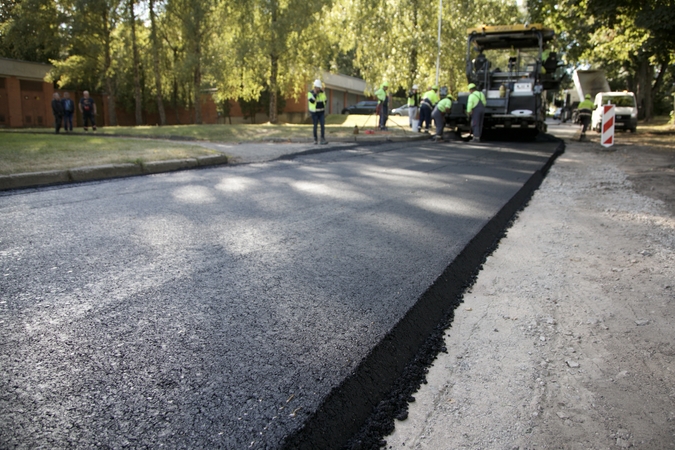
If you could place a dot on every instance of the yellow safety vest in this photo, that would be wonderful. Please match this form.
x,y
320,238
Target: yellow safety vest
x,y
317,102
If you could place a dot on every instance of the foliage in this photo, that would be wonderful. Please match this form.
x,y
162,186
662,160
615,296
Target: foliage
x,y
396,40
240,49
29,30
633,41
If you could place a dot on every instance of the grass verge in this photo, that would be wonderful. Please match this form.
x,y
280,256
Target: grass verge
x,y
336,126
24,152
657,134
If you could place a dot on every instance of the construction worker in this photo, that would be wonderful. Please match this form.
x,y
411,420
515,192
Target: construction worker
x,y
317,107
438,114
429,100
585,109
413,104
475,107
383,104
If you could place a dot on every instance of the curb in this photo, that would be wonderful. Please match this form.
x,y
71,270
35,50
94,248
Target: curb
x,y
109,171
104,172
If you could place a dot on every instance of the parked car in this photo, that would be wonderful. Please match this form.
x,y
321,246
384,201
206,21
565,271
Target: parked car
x,y
400,111
363,107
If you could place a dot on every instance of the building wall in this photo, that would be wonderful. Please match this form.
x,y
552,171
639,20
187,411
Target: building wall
x,y
4,104
27,103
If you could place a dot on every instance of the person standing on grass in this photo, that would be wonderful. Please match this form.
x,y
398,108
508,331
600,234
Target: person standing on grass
x,y
57,109
383,104
68,110
88,110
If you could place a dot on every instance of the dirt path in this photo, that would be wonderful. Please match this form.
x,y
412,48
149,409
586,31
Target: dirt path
x,y
567,340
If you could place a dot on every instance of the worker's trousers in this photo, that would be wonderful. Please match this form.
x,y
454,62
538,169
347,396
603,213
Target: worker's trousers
x,y
439,121
425,115
318,117
477,115
384,115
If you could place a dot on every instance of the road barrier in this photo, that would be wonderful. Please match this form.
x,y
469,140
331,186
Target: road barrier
x,y
607,129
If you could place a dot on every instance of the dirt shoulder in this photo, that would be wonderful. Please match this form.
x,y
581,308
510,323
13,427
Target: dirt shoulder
x,y
567,339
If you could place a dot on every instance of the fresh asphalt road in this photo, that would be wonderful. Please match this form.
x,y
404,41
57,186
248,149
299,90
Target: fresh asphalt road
x,y
217,308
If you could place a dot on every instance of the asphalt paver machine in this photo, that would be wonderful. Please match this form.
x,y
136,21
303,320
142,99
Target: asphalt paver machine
x,y
514,67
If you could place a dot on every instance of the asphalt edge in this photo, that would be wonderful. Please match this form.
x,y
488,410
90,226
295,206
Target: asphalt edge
x,y
361,410
107,171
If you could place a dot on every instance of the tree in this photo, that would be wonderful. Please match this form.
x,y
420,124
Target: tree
x,y
90,40
279,32
396,40
156,48
136,64
29,30
196,30
634,41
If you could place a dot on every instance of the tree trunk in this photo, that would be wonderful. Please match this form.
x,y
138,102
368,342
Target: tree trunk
x,y
174,94
137,79
155,61
644,75
109,82
274,72
413,52
274,63
197,88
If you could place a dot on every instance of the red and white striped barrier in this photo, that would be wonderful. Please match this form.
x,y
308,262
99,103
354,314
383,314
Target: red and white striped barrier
x,y
607,129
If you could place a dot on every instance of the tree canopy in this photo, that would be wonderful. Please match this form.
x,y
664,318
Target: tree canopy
x,y
148,53
633,41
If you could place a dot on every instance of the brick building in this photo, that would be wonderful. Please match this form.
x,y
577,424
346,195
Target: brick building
x,y
25,101
25,98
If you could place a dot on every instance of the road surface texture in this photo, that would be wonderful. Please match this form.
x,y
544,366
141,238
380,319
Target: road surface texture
x,y
566,340
254,306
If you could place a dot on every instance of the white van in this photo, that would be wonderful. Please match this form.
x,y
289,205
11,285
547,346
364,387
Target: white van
x,y
625,110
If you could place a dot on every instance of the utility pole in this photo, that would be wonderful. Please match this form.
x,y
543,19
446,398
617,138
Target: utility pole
x,y
438,56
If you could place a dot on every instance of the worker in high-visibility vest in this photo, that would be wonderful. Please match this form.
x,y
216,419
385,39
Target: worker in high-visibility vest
x,y
429,100
413,104
383,104
585,109
438,114
317,107
475,108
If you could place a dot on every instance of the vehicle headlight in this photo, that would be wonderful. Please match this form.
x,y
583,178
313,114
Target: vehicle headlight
x,y
633,114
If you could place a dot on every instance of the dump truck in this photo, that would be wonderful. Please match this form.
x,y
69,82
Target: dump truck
x,y
590,82
513,66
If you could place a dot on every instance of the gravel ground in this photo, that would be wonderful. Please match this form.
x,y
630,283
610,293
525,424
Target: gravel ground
x,y
566,340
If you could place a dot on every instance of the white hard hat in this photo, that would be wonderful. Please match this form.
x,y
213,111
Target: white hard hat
x,y
317,83
415,87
